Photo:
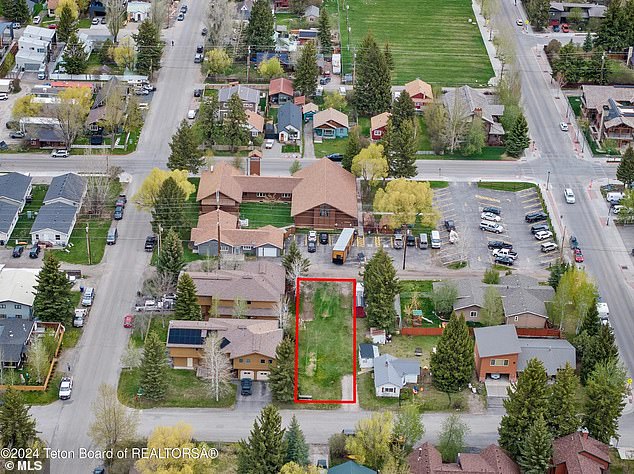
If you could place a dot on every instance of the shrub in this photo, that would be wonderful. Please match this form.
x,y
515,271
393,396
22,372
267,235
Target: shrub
x,y
491,276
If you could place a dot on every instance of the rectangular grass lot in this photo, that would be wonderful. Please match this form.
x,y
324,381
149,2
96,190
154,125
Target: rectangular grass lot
x,y
325,345
429,39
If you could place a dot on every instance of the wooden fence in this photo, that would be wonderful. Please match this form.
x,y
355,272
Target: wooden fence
x,y
521,332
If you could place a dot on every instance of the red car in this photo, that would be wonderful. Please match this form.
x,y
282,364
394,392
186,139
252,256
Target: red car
x,y
128,321
578,255
564,28
52,27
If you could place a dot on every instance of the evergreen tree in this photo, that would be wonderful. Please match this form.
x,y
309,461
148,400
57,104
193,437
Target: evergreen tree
x,y
452,364
625,171
353,147
401,148
591,323
604,400
52,293
17,427
185,153
264,451
587,43
149,47
563,408
403,110
610,36
372,89
154,368
524,406
325,41
599,350
67,24
537,449
168,212
208,122
389,59
260,31
233,126
16,10
556,272
296,447
186,306
75,56
282,377
170,259
105,53
380,288
517,140
307,71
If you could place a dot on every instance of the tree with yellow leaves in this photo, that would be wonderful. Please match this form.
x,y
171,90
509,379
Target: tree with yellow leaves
x,y
26,107
71,4
271,68
145,198
373,439
370,164
405,200
72,110
179,438
217,61
125,53
294,468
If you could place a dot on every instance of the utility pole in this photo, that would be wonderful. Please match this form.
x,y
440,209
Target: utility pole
x,y
218,223
404,227
88,243
354,67
160,231
602,65
547,181
248,64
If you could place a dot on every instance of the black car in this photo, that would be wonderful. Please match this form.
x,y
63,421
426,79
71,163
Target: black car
x,y
504,261
324,80
4,146
184,9
199,48
99,470
498,244
536,216
539,228
246,387
204,32
312,247
574,243
410,241
118,213
450,225
35,251
335,157
198,92
493,210
150,243
323,238
17,251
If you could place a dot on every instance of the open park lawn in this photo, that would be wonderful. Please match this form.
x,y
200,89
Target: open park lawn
x,y
325,339
429,39
277,214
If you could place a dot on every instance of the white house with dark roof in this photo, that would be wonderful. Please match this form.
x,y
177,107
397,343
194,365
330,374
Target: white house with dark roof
x,y
69,188
367,354
14,190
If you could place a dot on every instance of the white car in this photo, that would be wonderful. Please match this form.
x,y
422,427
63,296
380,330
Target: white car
x,y
489,216
65,388
191,114
548,247
618,208
269,143
36,20
342,91
95,21
563,126
312,236
80,317
569,195
519,22
4,96
543,234
60,153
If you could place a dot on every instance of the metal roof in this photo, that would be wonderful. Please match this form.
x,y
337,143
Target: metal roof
x,y
389,369
344,238
55,216
289,114
7,215
13,336
553,353
14,186
69,186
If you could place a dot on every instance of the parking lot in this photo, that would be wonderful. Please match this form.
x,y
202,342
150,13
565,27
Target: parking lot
x,y
462,203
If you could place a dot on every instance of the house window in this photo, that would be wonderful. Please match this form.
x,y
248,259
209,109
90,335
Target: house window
x,y
270,361
517,318
248,361
248,301
499,362
324,210
241,360
388,390
3,316
3,306
18,306
260,195
473,314
378,133
37,236
247,247
57,237
262,361
329,133
287,195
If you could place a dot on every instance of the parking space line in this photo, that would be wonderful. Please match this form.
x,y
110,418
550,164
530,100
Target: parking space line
x,y
487,198
360,241
533,199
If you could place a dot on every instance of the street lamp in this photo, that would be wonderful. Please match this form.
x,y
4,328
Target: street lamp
x,y
439,170
547,181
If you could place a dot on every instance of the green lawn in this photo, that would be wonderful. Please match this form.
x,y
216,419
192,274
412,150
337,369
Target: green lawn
x,y
48,396
421,289
277,214
489,153
438,184
575,104
84,23
364,125
290,149
327,147
423,137
325,343
78,253
404,346
22,229
504,186
429,39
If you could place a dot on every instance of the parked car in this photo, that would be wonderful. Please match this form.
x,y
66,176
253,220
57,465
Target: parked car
x,y
200,48
128,321
124,198
184,9
141,91
52,27
498,244
398,240
539,228
198,58
519,22
198,92
342,91
618,208
119,202
35,251
191,114
103,20
246,387
492,210
324,80
117,215
95,21
180,17
312,246
565,28
88,297
563,126
491,227
204,32
37,19
489,216
149,87
17,251
268,144
574,243
65,388
17,25
3,145
323,238
578,255
535,216
450,225
80,317
335,157
16,134
543,234
4,96
504,253
61,153
410,240
508,261
548,247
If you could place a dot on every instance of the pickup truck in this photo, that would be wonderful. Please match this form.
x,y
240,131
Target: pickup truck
x,y
149,305
80,317
504,253
65,388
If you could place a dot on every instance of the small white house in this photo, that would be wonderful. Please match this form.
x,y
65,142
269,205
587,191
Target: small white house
x,y
377,335
138,11
367,354
392,374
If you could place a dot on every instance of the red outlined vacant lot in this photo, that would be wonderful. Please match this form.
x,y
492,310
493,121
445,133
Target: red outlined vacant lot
x,y
325,339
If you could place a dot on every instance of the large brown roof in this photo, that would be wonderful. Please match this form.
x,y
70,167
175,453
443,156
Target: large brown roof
x,y
255,120
379,121
255,281
220,179
330,115
595,97
267,184
281,84
419,87
325,183
577,451
207,229
492,460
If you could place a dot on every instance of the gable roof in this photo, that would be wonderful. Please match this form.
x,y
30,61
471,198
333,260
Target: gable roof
x,y
14,186
553,353
113,83
246,94
57,216
522,300
312,10
366,351
310,107
390,370
595,97
69,186
330,115
350,467
491,460
219,179
497,340
17,285
289,114
281,84
325,183
577,451
472,99
417,86
7,215
255,120
379,121
14,334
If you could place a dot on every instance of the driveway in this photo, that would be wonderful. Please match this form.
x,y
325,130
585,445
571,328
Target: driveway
x,y
260,397
309,146
496,391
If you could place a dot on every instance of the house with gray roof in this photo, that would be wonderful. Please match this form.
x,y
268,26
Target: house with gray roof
x,y
14,190
54,224
610,113
250,98
15,335
17,292
470,103
367,354
392,374
311,14
553,353
289,122
560,11
69,188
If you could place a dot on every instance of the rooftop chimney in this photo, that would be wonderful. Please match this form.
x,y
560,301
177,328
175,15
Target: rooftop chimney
x,y
584,433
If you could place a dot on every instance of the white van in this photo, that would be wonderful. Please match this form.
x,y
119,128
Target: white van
x,y
88,297
569,195
435,239
614,197
112,237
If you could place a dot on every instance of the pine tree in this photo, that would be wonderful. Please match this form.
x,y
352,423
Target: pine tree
x,y
380,288
604,400
52,293
17,427
154,368
170,260
563,408
610,36
149,47
353,147
168,212
524,405
185,153
307,71
208,122
556,272
537,448
401,148
587,43
282,377
67,24
296,447
517,139
75,56
389,59
325,41
264,451
591,323
260,31
403,110
372,89
625,171
16,10
599,350
186,306
452,364
233,126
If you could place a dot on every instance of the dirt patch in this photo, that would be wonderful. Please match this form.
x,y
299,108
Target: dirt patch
x,y
312,365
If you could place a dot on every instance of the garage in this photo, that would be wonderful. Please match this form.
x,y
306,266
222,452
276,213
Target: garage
x,y
268,252
246,374
262,375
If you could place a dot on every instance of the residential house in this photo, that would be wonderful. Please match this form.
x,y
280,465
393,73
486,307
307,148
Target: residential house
x,y
498,350
35,46
350,467
138,11
610,113
289,123
367,354
244,9
311,14
322,195
306,35
579,453
267,241
255,123
426,459
280,5
420,92
97,8
470,103
249,345
392,374
15,336
250,98
378,336
282,57
17,292
6,33
378,125
280,91
559,12
98,110
309,110
14,190
69,188
51,6
299,100
330,123
259,284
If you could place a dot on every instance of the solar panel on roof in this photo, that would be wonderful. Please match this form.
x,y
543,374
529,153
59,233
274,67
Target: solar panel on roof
x,y
185,336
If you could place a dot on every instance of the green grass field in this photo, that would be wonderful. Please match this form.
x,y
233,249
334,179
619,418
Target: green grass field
x,y
22,229
327,147
489,153
325,343
277,214
429,39
504,186
78,253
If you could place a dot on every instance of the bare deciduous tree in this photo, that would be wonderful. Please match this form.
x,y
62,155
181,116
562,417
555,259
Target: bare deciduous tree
x,y
115,16
239,307
215,366
158,13
220,22
457,122
131,357
159,285
38,360
114,424
1,366
281,311
97,194
71,112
